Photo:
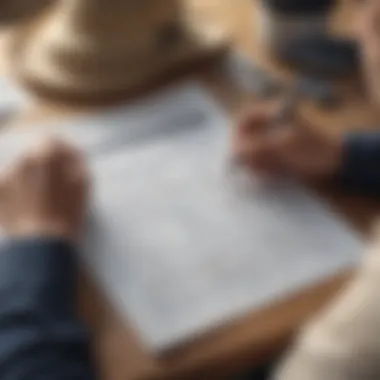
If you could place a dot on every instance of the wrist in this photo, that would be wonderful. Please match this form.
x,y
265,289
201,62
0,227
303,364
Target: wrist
x,y
47,231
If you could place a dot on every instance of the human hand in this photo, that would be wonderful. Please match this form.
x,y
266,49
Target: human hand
x,y
297,150
44,194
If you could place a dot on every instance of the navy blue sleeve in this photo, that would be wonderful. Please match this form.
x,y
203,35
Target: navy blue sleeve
x,y
361,163
40,336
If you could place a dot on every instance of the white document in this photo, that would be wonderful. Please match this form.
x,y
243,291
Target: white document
x,y
180,242
11,96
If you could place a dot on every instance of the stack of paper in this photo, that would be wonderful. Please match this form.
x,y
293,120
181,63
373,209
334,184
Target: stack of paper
x,y
179,241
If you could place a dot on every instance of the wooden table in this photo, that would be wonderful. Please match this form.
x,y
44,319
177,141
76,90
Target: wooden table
x,y
254,338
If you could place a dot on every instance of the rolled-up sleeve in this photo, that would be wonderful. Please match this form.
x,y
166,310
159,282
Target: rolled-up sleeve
x,y
40,335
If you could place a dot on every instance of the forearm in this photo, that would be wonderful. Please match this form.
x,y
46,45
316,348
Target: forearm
x,y
361,163
40,336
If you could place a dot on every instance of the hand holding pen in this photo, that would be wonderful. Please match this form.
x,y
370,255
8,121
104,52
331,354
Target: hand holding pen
x,y
273,140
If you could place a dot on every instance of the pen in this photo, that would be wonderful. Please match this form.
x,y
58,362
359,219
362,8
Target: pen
x,y
287,109
284,115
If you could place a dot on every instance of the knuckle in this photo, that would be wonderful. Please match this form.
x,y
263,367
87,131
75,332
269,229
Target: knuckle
x,y
51,149
22,165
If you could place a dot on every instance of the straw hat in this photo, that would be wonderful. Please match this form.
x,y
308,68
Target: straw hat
x,y
95,49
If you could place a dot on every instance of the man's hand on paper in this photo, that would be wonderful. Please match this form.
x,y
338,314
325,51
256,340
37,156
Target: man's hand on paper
x,y
44,193
296,149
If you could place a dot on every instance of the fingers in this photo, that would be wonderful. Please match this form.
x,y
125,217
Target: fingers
x,y
52,151
252,153
250,133
49,160
268,153
256,142
296,148
281,144
255,119
55,156
45,191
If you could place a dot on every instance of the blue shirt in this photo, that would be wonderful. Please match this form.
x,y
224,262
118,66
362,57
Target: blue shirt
x,y
40,335
361,163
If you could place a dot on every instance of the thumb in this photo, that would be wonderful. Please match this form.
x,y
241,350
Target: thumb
x,y
283,144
